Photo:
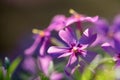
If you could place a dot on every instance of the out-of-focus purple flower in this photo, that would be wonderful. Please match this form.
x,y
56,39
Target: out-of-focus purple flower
x,y
41,37
57,23
29,64
75,47
79,18
107,33
60,21
46,66
113,51
4,71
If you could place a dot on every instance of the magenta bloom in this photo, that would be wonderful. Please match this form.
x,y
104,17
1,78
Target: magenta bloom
x,y
41,37
29,64
74,49
113,51
46,66
107,33
57,23
60,21
78,19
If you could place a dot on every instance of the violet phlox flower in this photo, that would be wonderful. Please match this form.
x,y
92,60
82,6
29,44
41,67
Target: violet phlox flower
x,y
43,64
106,32
41,37
113,51
58,22
46,66
76,17
75,48
29,64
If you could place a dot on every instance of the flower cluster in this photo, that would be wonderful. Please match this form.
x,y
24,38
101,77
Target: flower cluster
x,y
76,44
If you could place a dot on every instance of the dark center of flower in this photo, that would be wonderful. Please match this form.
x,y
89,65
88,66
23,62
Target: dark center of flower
x,y
118,56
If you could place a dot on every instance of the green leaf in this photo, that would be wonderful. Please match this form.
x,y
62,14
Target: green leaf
x,y
13,66
105,72
43,77
77,75
0,63
1,74
87,74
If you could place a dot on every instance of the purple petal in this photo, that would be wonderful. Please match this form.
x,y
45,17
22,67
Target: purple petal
x,y
88,37
68,36
65,54
116,24
90,19
102,27
55,49
56,76
81,18
57,23
117,36
44,63
99,40
71,65
89,56
29,64
30,50
72,19
43,46
117,45
109,49
83,46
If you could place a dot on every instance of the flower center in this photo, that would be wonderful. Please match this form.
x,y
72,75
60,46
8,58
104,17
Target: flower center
x,y
75,49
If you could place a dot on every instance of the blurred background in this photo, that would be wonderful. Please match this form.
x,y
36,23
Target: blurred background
x,y
19,17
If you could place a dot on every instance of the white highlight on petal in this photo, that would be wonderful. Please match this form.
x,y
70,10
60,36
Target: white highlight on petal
x,y
105,44
65,54
86,32
55,49
84,47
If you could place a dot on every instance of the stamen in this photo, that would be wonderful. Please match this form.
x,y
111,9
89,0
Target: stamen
x,y
35,31
40,32
73,12
75,49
